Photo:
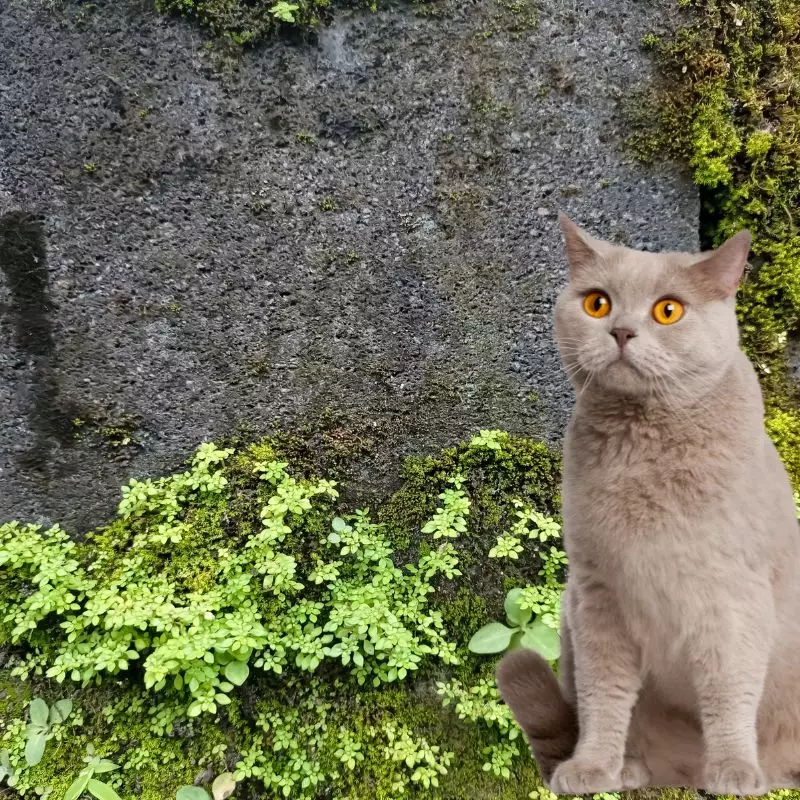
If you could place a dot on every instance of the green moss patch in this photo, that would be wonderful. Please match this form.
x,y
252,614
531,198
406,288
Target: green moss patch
x,y
729,106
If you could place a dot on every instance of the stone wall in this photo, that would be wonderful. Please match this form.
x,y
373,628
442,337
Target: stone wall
x,y
361,219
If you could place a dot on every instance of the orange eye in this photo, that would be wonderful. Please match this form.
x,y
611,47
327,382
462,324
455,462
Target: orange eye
x,y
667,312
597,304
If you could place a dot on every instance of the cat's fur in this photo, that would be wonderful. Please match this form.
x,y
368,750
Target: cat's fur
x,y
680,635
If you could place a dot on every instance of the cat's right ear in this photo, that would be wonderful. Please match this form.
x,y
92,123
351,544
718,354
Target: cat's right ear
x,y
580,252
722,269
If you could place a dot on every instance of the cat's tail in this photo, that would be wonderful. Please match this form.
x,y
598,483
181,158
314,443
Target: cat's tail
x,y
531,690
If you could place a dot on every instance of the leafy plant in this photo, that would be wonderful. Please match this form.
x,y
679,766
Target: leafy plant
x,y
40,728
528,524
450,519
239,570
86,781
191,793
481,704
284,11
223,787
492,440
535,635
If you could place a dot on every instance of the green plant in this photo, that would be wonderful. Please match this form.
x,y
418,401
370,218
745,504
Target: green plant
x,y
529,524
495,637
40,728
191,793
7,773
284,11
368,614
481,704
450,519
244,23
87,782
223,787
243,570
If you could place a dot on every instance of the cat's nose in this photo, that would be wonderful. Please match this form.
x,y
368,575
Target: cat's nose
x,y
622,335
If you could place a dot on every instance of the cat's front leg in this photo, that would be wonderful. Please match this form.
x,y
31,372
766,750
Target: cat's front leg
x,y
607,667
730,663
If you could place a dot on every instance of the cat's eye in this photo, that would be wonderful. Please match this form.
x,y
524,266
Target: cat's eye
x,y
597,304
667,311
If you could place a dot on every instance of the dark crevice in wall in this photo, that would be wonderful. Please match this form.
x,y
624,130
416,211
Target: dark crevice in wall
x,y
710,216
23,262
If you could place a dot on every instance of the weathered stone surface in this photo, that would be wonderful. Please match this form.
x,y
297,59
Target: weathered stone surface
x,y
200,262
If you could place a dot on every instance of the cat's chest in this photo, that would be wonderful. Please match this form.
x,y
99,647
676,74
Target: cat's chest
x,y
635,469
636,502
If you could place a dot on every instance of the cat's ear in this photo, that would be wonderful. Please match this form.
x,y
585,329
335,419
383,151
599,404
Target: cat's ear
x,y
722,270
579,245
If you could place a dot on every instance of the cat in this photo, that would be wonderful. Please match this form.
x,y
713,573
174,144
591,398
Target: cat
x,y
680,630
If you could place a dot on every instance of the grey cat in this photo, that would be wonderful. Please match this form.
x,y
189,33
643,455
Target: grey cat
x,y
680,632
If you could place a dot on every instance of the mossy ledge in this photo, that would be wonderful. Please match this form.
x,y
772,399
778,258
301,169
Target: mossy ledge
x,y
728,104
235,617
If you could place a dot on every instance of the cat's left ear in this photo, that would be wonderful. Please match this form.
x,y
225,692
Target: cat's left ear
x,y
721,272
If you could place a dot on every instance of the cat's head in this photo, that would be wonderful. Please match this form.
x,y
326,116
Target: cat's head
x,y
638,323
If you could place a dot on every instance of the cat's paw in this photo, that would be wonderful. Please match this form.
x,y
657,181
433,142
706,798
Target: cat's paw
x,y
734,776
635,774
579,776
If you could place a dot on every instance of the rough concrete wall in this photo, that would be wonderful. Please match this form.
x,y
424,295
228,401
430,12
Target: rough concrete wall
x,y
197,263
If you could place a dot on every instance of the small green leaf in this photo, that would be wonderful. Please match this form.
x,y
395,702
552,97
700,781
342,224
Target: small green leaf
x,y
34,749
236,672
492,638
104,765
39,711
516,615
78,785
191,793
339,524
544,640
60,711
102,791
223,786
334,538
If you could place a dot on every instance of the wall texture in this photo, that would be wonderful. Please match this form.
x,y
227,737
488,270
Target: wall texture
x,y
362,219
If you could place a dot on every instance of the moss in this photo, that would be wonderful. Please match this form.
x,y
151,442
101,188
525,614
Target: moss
x,y
108,428
728,104
784,428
